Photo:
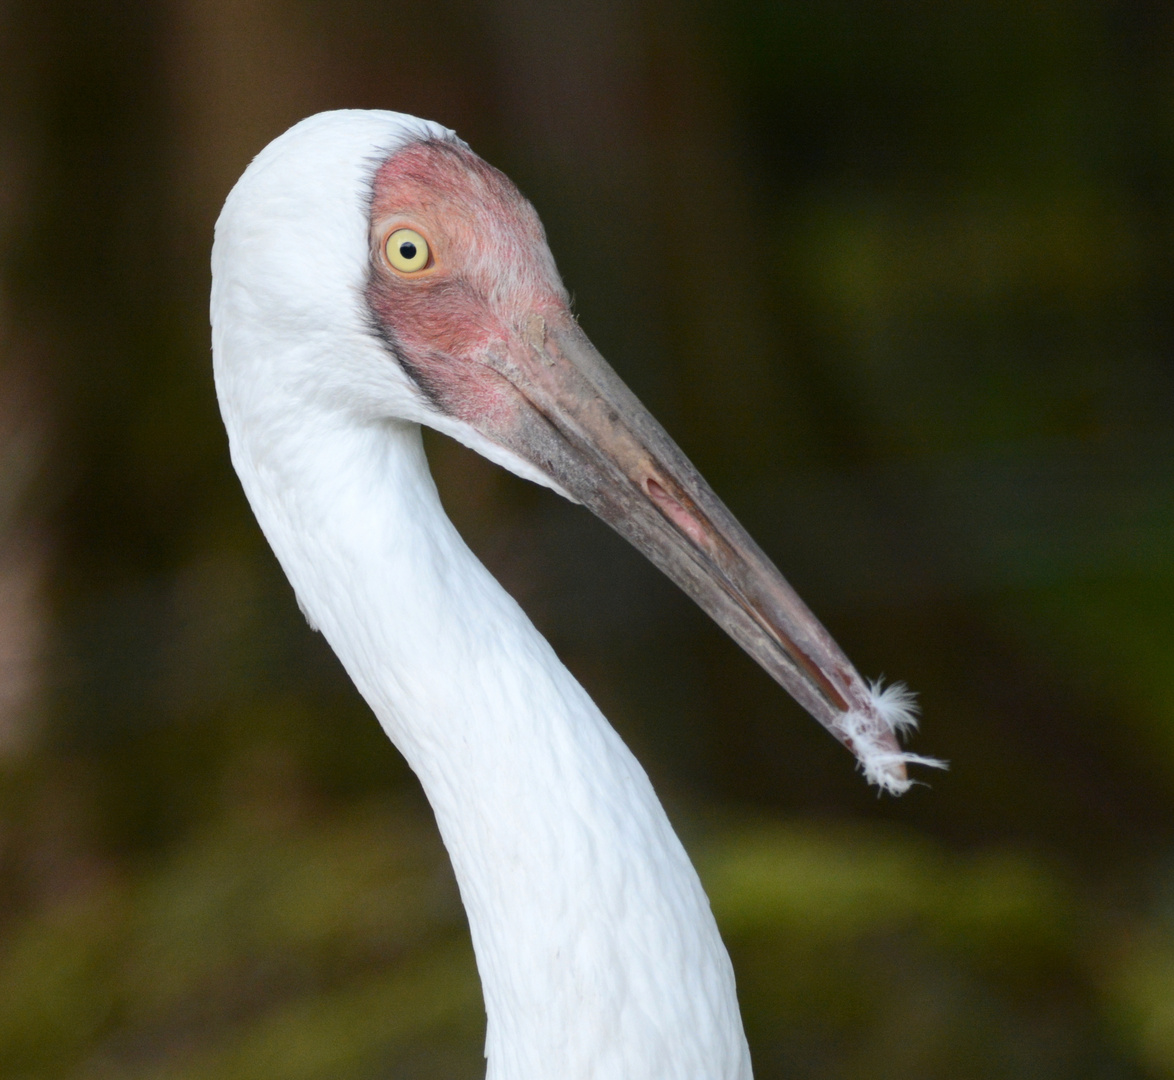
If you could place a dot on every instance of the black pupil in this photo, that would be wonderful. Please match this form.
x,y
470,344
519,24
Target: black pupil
x,y
407,250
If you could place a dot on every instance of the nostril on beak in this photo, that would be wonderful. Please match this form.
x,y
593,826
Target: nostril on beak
x,y
677,514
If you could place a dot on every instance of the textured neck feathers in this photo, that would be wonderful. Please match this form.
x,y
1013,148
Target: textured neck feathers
x,y
596,947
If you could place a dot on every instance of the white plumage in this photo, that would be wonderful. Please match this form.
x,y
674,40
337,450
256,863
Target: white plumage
x,y
595,944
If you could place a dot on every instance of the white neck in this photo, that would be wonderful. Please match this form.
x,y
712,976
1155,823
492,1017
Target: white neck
x,y
596,947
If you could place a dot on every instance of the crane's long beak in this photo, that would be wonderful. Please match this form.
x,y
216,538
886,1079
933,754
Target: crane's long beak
x,y
589,432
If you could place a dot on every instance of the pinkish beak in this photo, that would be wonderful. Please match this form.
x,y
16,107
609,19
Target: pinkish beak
x,y
588,432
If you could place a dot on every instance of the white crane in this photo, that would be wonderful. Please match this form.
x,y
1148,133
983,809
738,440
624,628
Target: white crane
x,y
371,274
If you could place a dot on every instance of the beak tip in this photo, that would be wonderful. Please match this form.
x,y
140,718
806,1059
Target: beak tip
x,y
871,732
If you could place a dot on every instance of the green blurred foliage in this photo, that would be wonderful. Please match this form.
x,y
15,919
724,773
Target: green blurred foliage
x,y
900,278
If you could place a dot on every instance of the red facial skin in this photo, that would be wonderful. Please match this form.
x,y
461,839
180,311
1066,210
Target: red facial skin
x,y
489,271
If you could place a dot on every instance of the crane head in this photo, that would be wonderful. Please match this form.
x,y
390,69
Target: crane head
x,y
468,328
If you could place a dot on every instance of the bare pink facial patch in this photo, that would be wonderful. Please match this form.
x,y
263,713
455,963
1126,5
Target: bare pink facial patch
x,y
489,271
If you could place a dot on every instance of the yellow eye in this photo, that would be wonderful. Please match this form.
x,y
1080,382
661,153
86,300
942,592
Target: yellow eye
x,y
407,251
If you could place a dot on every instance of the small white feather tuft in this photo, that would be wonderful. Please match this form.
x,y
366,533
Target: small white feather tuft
x,y
891,710
896,705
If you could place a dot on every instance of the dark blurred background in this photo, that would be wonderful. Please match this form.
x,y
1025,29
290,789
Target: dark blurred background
x,y
898,275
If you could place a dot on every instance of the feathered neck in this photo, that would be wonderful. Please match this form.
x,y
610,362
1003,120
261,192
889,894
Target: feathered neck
x,y
598,954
